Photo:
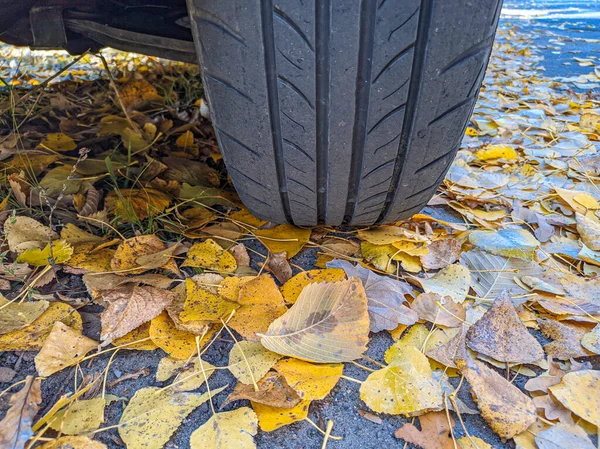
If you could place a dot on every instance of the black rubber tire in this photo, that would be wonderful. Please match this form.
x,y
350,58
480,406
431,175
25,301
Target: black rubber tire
x,y
341,111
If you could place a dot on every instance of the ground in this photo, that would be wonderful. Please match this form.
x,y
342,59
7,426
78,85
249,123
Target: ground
x,y
558,42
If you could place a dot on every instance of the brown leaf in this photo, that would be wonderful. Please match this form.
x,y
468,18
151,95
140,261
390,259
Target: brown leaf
x,y
454,349
566,342
589,231
434,433
98,284
15,428
437,310
130,307
273,390
500,334
503,406
240,254
279,267
130,250
441,254
553,410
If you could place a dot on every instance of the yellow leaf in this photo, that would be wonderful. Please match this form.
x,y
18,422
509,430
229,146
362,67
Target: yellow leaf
x,y
137,204
177,343
249,360
506,242
292,288
56,252
140,333
63,347
261,303
453,281
409,263
85,257
496,152
125,259
404,387
328,323
579,201
153,415
418,337
227,430
472,443
190,373
386,235
380,256
471,132
202,304
58,142
73,235
578,391
73,442
186,141
80,417
282,238
210,255
591,340
245,217
589,231
311,381
411,248
231,285
272,418
15,315
137,93
590,121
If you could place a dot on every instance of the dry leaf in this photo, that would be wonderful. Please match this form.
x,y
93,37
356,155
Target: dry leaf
x,y
416,337
503,406
23,233
453,281
240,254
404,387
153,415
472,442
58,142
441,254
311,381
589,231
130,307
53,253
328,323
272,418
15,428
563,436
283,238
63,347
191,374
454,349
125,259
273,390
433,308
249,360
552,409
292,288
496,152
227,430
261,303
98,284
566,342
33,336
434,433
79,417
210,255
203,303
137,93
139,333
385,297
73,442
591,340
15,315
517,243
578,391
175,342
279,267
500,334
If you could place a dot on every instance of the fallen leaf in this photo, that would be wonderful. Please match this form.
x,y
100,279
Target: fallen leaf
x,y
73,442
53,253
130,250
453,281
249,361
227,430
85,258
136,204
415,337
503,406
591,340
261,303
137,93
434,433
284,238
129,307
131,339
153,415
204,303
500,334
99,283
23,233
273,390
472,443
328,323
578,391
272,418
58,142
441,254
210,255
175,342
404,387
447,353
589,231
370,417
433,308
293,287
191,374
386,235
385,297
496,152
15,315
79,417
279,267
517,243
566,342
63,347
552,409
32,337
563,436
578,200
15,428
492,275
240,254
311,381
186,141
